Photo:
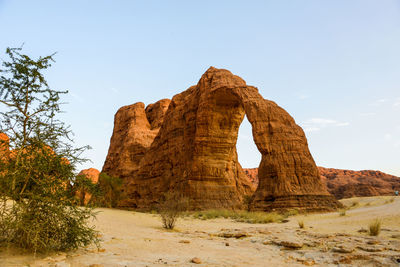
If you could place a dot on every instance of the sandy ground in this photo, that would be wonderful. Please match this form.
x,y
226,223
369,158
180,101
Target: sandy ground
x,y
137,239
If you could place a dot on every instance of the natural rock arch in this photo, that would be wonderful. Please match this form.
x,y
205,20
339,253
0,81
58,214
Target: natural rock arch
x,y
194,152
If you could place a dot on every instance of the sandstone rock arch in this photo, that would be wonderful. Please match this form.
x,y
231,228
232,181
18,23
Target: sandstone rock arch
x,y
194,152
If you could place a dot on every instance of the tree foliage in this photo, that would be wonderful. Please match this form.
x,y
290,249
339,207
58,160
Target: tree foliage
x,y
109,191
37,210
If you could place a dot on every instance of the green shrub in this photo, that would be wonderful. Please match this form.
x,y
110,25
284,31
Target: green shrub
x,y
108,192
83,186
38,212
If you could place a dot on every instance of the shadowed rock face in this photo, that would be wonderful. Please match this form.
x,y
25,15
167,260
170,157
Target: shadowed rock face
x,y
194,151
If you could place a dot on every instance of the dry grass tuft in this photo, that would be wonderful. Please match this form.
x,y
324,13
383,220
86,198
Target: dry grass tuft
x,y
301,224
374,228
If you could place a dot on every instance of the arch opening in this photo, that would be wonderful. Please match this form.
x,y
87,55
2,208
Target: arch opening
x,y
249,156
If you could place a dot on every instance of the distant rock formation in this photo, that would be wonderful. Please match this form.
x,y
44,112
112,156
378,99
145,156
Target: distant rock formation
x,y
347,183
4,144
252,174
190,148
93,175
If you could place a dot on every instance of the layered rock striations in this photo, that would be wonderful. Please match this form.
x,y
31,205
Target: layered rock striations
x,y
348,183
134,130
365,183
193,153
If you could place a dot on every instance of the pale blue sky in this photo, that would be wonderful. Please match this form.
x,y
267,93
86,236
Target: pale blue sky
x,y
333,65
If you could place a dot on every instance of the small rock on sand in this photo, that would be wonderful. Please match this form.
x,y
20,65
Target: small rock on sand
x,y
195,260
184,241
290,243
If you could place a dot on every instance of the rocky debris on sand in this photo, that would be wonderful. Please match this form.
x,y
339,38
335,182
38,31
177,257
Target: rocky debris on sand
x,y
290,243
343,249
234,234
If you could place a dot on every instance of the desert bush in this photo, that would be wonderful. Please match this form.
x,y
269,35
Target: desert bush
x,y
171,207
37,210
342,212
82,186
301,224
374,227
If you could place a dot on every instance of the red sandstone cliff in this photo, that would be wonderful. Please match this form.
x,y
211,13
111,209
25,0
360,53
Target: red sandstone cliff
x,y
347,183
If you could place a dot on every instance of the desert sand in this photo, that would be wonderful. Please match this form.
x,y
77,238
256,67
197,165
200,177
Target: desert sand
x,y
137,239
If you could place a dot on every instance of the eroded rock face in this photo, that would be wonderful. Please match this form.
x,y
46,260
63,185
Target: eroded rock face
x,y
252,174
134,130
194,151
4,143
348,183
93,175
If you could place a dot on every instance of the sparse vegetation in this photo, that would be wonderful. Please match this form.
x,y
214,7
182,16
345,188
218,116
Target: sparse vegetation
x,y
108,191
171,208
342,212
291,212
301,224
37,210
374,227
391,200
240,216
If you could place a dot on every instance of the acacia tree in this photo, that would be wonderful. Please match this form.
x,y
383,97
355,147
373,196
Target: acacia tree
x,y
37,210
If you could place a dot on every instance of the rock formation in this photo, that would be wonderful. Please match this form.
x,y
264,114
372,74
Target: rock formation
x,y
252,174
4,144
93,175
193,153
134,130
347,183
